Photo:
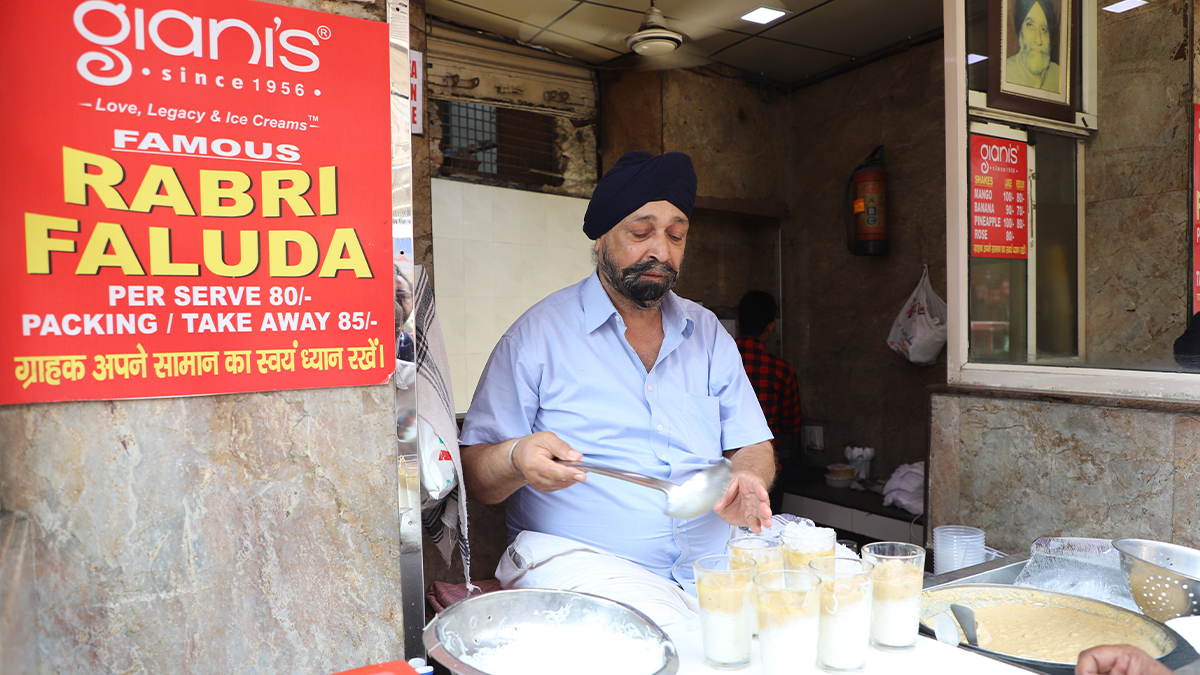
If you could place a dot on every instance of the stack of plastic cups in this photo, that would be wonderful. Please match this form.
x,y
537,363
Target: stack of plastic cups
x,y
955,547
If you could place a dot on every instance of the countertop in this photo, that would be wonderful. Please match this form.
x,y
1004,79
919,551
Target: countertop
x,y
930,656
863,500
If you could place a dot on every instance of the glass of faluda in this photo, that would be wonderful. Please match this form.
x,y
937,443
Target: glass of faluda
x,y
766,552
788,618
845,622
802,545
724,588
896,579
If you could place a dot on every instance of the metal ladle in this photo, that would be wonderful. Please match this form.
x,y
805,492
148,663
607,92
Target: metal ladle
x,y
695,496
966,619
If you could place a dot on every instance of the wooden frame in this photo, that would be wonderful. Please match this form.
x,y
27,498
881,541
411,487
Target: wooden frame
x,y
1016,79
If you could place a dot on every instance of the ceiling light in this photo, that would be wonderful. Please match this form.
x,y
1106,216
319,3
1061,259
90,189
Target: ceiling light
x,y
1123,6
653,37
654,41
972,59
763,15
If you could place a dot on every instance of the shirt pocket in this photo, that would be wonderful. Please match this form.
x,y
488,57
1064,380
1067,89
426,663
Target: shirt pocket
x,y
703,417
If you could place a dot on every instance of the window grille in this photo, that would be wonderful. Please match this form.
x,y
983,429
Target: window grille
x,y
504,143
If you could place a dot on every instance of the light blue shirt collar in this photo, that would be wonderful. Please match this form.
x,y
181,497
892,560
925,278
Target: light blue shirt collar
x,y
598,309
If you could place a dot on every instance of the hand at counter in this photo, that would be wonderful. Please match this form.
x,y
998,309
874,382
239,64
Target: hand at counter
x,y
746,502
1118,660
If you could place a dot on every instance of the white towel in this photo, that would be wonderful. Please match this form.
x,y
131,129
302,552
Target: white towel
x,y
906,488
444,517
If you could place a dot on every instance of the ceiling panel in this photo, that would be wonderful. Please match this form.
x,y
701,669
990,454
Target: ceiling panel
x,y
577,48
538,13
779,61
703,16
599,25
813,38
476,18
715,42
860,27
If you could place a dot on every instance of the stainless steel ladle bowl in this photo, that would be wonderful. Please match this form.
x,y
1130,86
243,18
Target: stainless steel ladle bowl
x,y
694,497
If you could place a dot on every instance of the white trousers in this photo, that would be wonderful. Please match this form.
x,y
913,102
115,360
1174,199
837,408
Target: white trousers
x,y
538,560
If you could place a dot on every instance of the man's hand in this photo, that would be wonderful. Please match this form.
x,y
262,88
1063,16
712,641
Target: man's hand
x,y
1118,660
533,459
745,502
490,476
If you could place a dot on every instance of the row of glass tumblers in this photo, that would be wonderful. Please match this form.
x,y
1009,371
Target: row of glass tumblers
x,y
824,613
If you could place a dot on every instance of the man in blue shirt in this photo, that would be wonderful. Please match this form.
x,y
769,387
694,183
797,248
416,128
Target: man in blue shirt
x,y
620,370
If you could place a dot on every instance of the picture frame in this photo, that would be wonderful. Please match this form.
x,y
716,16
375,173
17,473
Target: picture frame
x,y
1035,64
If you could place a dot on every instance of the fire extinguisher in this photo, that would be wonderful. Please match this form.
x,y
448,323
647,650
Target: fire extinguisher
x,y
866,207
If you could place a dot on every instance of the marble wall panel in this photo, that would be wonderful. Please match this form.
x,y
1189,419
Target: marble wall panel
x,y
1186,509
843,305
1137,280
631,114
1137,168
735,130
18,613
1029,469
251,533
945,504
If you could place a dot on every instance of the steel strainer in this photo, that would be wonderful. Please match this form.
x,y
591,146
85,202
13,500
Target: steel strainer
x,y
1163,578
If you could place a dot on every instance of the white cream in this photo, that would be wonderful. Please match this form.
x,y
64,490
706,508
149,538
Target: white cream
x,y
895,602
588,650
727,635
894,622
844,635
788,648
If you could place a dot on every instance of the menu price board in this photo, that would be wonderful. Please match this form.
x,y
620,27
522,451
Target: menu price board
x,y
999,198
197,196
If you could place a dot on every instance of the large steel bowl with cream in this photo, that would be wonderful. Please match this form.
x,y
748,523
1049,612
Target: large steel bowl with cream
x,y
1045,630
536,631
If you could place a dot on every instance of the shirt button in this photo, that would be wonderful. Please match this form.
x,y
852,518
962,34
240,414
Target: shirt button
x,y
649,387
660,427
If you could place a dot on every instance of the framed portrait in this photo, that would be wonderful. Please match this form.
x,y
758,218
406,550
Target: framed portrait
x,y
1035,64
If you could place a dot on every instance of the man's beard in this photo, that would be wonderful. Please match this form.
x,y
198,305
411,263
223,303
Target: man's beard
x,y
644,293
1036,61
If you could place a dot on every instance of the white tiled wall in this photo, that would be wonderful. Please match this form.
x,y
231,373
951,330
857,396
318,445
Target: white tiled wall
x,y
496,252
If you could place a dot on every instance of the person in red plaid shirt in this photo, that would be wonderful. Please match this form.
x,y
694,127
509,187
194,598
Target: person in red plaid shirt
x,y
774,381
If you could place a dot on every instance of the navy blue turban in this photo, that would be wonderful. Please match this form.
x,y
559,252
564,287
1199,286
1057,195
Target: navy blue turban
x,y
637,179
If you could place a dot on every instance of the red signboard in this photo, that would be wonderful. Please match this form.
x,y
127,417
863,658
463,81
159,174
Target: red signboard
x,y
999,198
1196,211
198,199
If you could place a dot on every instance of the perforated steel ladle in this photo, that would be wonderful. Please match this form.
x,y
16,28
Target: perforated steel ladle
x,y
694,497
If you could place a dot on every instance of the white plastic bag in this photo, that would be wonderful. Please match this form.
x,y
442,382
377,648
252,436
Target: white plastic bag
x,y
919,333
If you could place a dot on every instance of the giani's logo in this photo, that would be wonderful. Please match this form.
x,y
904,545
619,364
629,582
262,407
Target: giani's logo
x,y
204,35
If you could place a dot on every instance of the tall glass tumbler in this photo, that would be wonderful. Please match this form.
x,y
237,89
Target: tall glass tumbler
x,y
787,602
896,593
724,587
766,552
845,623
802,544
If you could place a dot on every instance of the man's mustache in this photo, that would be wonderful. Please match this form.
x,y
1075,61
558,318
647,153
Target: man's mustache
x,y
634,271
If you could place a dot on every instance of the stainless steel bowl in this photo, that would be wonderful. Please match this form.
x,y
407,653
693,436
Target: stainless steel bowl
x,y
494,619
1173,650
1163,578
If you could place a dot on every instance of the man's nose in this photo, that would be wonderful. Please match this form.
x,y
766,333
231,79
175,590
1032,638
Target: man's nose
x,y
657,248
